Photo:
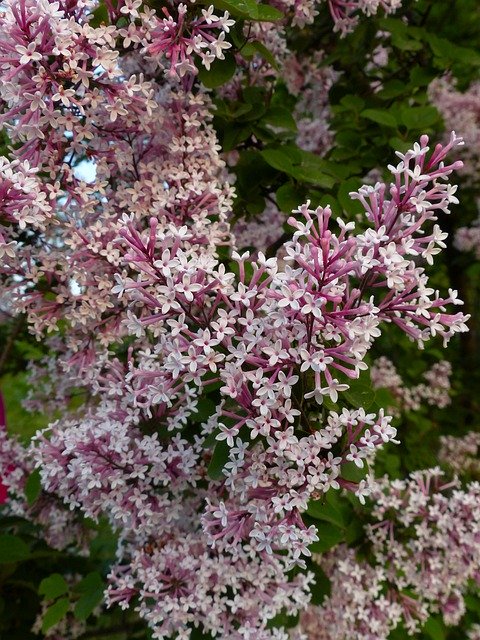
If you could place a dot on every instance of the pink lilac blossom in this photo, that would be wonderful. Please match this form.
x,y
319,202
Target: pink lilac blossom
x,y
358,607
461,111
181,37
60,78
59,527
474,632
129,262
232,596
152,489
425,545
260,232
467,239
310,80
309,320
461,453
434,391
173,169
345,12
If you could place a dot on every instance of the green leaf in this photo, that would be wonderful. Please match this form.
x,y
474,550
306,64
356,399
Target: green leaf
x,y
205,408
473,602
197,633
219,73
55,613
238,8
240,111
420,77
234,135
380,117
435,629
266,13
91,589
322,587
350,206
99,16
384,398
331,509
354,531
355,103
443,48
256,204
13,549
53,586
92,580
419,118
329,536
33,487
280,117
360,395
87,603
349,138
289,197
311,174
352,473
398,144
278,159
282,619
391,89
218,461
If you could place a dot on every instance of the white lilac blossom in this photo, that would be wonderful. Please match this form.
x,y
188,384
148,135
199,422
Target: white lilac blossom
x,y
278,341
260,232
179,38
60,527
461,453
425,554
434,391
345,13
460,111
467,239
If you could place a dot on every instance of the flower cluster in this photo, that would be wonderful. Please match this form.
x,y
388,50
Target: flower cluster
x,y
60,528
345,12
311,81
461,111
211,377
276,338
426,550
60,81
434,391
461,453
260,232
182,582
181,37
152,490
467,239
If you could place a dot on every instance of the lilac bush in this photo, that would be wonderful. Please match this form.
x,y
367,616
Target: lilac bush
x,y
209,345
